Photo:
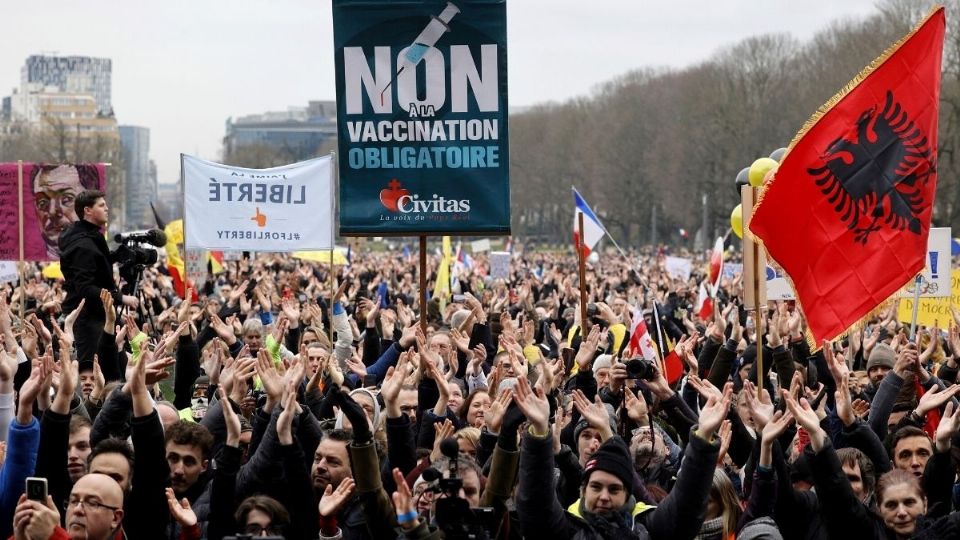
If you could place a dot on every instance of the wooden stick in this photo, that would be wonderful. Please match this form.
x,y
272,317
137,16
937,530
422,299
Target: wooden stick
x,y
583,279
23,280
333,292
761,308
423,284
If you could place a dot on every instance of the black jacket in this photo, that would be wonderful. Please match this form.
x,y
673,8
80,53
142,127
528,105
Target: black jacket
x,y
678,516
85,262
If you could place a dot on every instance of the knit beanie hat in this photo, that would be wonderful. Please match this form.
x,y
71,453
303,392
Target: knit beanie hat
x,y
612,457
583,424
602,361
881,355
376,409
763,528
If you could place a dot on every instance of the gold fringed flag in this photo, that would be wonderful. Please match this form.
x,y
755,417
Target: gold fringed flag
x,y
848,211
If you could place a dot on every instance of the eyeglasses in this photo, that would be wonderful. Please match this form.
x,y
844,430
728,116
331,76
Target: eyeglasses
x,y
257,530
90,504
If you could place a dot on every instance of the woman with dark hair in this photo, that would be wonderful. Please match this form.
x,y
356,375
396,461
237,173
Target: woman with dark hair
x,y
474,408
905,509
260,515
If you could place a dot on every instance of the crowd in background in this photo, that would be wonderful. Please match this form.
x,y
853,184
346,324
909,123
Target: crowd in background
x,y
279,400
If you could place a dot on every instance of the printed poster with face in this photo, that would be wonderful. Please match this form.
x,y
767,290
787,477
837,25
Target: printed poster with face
x,y
49,192
422,117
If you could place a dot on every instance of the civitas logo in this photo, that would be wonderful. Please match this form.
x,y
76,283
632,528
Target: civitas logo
x,y
397,198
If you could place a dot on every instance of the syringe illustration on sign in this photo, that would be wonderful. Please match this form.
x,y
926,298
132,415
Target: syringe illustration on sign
x,y
437,26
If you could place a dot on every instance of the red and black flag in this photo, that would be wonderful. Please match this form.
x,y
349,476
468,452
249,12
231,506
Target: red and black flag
x,y
848,211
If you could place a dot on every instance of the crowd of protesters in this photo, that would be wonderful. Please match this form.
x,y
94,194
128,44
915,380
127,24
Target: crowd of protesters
x,y
270,404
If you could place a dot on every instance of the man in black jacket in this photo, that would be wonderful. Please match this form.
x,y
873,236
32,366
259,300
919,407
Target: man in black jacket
x,y
88,270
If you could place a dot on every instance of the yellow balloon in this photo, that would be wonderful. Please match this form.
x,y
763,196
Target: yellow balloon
x,y
759,169
736,221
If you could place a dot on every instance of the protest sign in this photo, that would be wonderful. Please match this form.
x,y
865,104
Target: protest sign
x,y
499,264
196,265
422,117
479,246
778,288
932,310
8,272
730,270
286,208
678,267
48,197
935,278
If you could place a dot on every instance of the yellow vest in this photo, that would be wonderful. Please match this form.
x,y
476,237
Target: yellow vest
x,y
638,509
618,331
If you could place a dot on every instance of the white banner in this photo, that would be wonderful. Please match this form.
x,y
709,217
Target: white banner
x,y
678,267
935,278
288,208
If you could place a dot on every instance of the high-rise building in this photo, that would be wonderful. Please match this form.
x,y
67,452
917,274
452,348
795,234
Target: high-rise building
x,y
170,201
72,75
299,132
140,171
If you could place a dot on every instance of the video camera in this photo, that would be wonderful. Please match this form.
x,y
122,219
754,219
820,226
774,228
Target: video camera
x,y
133,258
453,513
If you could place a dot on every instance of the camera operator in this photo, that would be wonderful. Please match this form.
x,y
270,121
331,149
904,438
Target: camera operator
x,y
88,270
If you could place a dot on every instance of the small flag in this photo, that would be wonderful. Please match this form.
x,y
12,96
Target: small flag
x,y
592,229
640,341
704,302
716,263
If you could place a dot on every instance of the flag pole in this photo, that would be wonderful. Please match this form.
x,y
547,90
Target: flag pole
x,y
423,284
583,278
916,306
758,298
333,292
20,271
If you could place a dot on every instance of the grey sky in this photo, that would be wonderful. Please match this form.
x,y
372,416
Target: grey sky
x,y
182,68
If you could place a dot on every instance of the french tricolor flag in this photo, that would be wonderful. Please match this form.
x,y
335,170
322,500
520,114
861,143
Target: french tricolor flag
x,y
593,231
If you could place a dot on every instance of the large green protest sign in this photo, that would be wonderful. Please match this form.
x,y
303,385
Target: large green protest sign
x,y
422,117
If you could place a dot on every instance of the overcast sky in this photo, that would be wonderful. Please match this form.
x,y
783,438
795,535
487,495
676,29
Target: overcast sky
x,y
182,68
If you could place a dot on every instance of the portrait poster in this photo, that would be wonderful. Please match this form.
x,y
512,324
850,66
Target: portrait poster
x,y
49,193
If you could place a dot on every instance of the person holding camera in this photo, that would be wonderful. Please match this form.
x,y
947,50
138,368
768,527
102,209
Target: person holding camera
x,y
88,270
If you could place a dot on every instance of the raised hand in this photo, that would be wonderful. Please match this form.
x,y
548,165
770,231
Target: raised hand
x,y
66,334
594,413
935,398
761,410
269,378
404,503
181,511
713,413
636,407
844,405
806,418
441,432
949,424
290,411
333,500
494,415
726,435
534,405
770,433
41,373
230,418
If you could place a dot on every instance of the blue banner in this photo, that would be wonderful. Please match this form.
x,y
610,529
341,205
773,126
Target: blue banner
x,y
422,117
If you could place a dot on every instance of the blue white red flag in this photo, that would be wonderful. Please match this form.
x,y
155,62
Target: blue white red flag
x,y
593,231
